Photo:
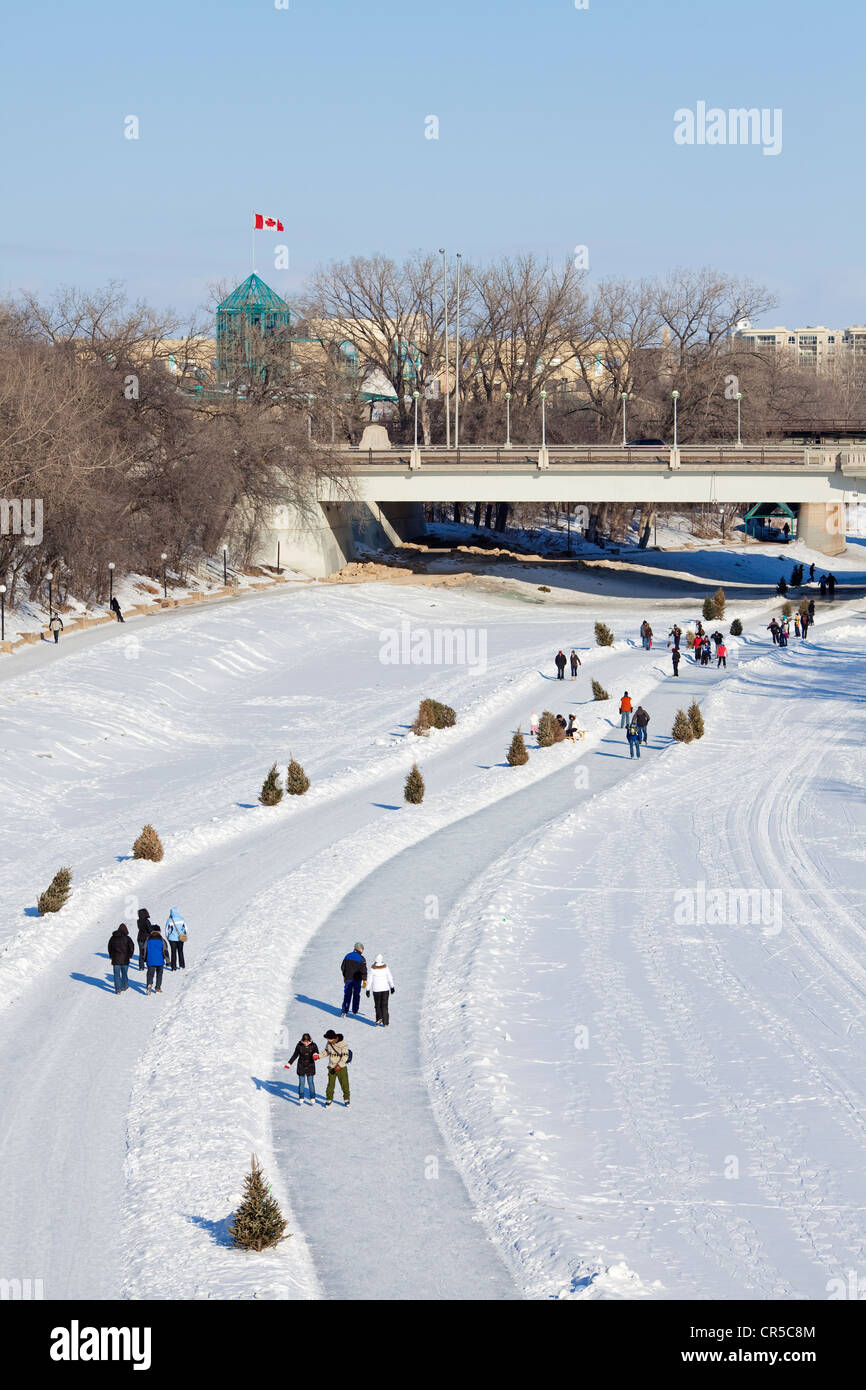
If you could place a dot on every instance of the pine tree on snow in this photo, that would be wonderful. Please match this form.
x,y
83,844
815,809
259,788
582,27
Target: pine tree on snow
x,y
517,754
297,781
413,791
56,894
258,1222
271,793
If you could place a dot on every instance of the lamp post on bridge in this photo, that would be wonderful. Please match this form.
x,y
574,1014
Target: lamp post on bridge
x,y
543,421
457,362
508,419
225,567
623,395
675,395
444,256
2,612
110,580
416,396
164,557
739,420
50,577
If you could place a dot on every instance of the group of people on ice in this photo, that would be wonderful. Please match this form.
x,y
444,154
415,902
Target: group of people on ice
x,y
781,631
561,661
635,722
378,982
706,644
155,951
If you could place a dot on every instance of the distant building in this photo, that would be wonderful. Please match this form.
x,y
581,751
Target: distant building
x,y
818,347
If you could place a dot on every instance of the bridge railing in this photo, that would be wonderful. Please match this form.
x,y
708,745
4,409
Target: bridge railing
x,y
595,455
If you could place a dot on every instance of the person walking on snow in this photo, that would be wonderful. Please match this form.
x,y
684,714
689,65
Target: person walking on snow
x,y
831,584
115,608
633,735
811,610
337,1054
533,723
175,935
156,956
648,637
783,636
560,665
674,637
145,927
722,656
354,969
773,629
641,718
796,624
55,625
382,985
812,572
306,1054
804,623
675,658
575,662
120,949
625,711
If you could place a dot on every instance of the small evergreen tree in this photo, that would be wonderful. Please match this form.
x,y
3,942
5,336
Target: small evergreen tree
x,y
603,635
517,754
547,727
781,587
719,603
736,628
414,788
708,609
804,605
148,845
682,730
258,1222
696,719
599,692
421,725
56,894
787,609
440,716
297,781
690,637
271,793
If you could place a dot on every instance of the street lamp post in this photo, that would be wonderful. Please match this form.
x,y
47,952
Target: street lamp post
x,y
457,362
444,256
675,395
623,397
739,420
225,567
543,421
110,580
2,612
164,557
50,578
416,396
508,419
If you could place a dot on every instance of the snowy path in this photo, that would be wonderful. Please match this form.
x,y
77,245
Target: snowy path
x,y
387,1153
674,1105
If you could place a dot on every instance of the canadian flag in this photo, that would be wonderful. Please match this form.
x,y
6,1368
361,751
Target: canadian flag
x,y
271,224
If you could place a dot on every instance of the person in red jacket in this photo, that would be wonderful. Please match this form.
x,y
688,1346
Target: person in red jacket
x,y
722,654
624,711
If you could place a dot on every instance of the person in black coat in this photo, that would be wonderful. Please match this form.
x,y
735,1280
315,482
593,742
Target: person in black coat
x,y
120,949
145,927
115,608
306,1054
560,666
575,662
675,659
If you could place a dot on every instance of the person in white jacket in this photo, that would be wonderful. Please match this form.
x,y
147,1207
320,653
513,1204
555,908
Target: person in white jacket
x,y
382,985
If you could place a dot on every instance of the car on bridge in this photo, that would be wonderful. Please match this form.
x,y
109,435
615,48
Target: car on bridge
x,y
646,444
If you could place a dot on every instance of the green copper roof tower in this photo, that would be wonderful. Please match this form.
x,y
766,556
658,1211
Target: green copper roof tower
x,y
251,312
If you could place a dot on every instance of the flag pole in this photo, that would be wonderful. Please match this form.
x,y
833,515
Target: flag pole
x,y
254,245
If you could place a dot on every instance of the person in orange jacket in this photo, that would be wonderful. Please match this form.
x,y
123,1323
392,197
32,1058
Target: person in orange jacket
x,y
624,711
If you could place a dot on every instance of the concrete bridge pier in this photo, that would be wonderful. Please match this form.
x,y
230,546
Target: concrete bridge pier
x,y
821,526
321,538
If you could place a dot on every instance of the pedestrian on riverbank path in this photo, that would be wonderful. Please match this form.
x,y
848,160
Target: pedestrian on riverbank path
x,y
306,1054
560,665
145,927
55,625
633,735
625,711
641,718
156,956
675,659
722,656
175,935
575,662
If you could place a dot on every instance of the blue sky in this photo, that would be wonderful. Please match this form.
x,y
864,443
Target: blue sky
x,y
555,130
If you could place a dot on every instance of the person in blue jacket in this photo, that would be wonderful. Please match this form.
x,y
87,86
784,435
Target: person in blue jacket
x,y
175,934
354,969
155,957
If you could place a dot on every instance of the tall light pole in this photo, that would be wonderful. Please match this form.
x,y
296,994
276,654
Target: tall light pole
x,y
623,395
442,253
675,395
225,567
2,612
508,419
739,420
164,557
50,578
457,362
110,580
416,396
543,421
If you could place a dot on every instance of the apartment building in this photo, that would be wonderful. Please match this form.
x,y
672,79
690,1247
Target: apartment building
x,y
818,347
